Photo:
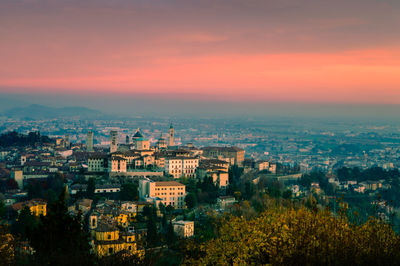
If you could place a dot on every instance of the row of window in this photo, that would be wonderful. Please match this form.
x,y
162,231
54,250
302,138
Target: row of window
x,y
171,188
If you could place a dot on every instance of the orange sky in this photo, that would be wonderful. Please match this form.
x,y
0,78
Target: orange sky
x,y
303,51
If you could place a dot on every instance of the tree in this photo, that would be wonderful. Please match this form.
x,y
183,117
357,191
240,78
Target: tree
x,y
170,236
12,184
152,237
59,238
3,209
248,190
287,236
90,188
24,224
129,191
35,190
7,246
191,200
162,208
287,194
169,209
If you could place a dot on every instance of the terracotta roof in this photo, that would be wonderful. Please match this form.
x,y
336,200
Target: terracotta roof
x,y
20,205
168,184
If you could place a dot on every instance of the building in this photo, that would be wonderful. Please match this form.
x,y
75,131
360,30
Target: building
x,y
117,165
97,163
181,166
171,139
225,201
89,141
220,178
36,206
161,144
140,142
265,165
17,175
108,239
234,155
113,141
184,229
216,169
107,188
170,192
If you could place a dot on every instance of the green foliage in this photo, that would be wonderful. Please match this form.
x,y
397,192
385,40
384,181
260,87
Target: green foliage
x,y
374,173
14,139
235,173
129,191
59,238
35,190
209,191
91,186
152,237
169,209
191,200
25,224
287,194
248,190
170,235
3,209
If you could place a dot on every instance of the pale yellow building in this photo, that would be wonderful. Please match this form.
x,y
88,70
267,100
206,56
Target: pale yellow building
x,y
184,229
36,206
117,164
169,192
220,178
108,239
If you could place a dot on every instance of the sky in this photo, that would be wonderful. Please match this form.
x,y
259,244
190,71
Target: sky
x,y
318,51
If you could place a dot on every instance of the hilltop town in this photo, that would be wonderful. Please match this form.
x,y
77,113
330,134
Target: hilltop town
x,y
134,195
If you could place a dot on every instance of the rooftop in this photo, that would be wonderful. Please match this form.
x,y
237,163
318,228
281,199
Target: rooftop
x,y
168,184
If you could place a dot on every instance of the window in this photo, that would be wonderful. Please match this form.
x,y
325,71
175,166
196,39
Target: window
x,y
110,250
109,236
130,247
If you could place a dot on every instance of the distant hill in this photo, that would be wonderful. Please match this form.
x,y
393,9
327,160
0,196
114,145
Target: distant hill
x,y
36,111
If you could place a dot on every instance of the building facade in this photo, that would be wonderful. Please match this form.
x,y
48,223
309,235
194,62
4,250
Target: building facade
x,y
235,155
89,141
113,141
181,166
169,192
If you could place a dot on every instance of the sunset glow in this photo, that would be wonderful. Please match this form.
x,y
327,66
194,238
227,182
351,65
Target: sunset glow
x,y
283,52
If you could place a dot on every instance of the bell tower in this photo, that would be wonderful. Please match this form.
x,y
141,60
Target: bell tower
x,y
171,136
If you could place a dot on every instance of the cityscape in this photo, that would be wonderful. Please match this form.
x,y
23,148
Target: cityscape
x,y
212,132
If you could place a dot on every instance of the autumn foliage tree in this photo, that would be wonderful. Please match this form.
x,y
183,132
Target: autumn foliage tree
x,y
289,236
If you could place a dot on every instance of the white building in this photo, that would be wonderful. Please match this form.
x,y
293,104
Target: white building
x,y
107,189
97,163
181,166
